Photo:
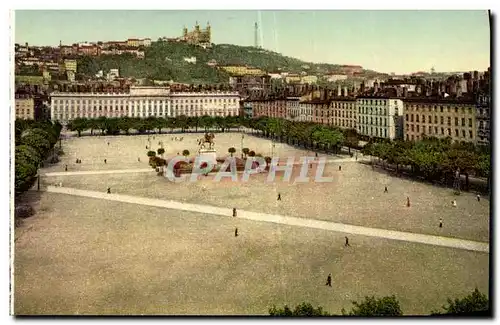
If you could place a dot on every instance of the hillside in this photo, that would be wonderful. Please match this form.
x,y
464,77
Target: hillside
x,y
165,61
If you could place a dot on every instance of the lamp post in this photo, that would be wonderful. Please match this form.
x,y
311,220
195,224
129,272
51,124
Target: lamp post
x,y
242,137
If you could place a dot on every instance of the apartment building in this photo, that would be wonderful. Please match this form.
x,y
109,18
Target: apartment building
x,y
306,109
142,102
343,113
321,111
440,118
275,108
68,65
25,107
292,108
380,117
483,116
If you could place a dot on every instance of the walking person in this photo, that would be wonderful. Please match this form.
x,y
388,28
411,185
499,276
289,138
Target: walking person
x,y
385,190
329,280
478,197
105,161
234,212
346,241
408,201
236,232
440,223
279,196
340,168
454,203
356,156
139,159
66,168
109,190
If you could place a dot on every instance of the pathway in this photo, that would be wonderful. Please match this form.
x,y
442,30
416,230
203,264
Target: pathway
x,y
292,221
97,172
149,170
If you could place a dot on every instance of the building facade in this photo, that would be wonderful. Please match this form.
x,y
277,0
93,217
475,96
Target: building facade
x,y
343,113
306,109
205,103
321,111
24,107
483,117
440,118
292,108
275,108
143,102
380,117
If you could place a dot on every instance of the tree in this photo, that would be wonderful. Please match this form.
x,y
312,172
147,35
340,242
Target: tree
x,y
161,151
303,309
79,125
245,151
185,153
151,153
475,303
251,153
371,306
231,150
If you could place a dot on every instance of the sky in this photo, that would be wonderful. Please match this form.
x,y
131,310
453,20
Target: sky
x,y
381,40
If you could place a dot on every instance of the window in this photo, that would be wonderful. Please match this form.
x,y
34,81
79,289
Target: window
x,y
456,132
411,119
463,133
430,129
441,109
442,131
463,121
442,120
418,128
412,128
470,134
470,122
449,120
449,131
435,130
456,109
423,118
417,119
435,120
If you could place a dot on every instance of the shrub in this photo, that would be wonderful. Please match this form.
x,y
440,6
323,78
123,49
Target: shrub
x,y
24,211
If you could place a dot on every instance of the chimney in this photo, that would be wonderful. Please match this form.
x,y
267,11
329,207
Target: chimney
x,y
338,91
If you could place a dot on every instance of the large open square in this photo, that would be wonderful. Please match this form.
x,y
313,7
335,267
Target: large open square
x,y
82,255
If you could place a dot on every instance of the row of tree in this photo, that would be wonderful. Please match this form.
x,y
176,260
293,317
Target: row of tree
x,y
34,142
433,159
306,134
474,304
127,125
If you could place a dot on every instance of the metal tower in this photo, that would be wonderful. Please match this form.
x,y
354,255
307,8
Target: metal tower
x,y
256,35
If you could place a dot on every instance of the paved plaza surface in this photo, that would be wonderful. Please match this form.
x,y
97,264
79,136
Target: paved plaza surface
x,y
84,255
92,256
